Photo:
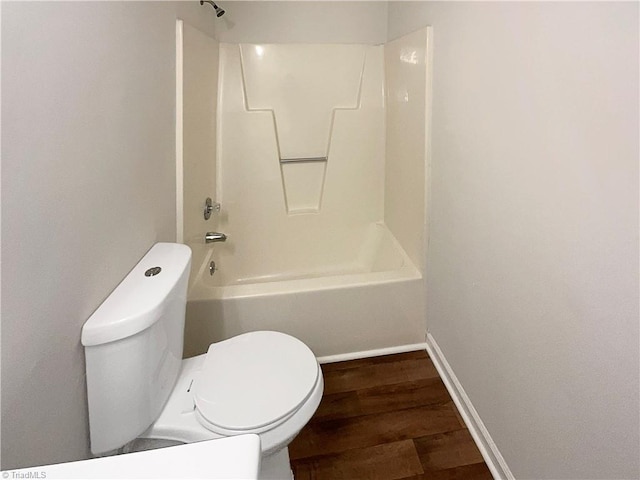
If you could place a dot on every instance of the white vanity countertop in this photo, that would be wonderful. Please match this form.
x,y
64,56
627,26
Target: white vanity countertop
x,y
226,458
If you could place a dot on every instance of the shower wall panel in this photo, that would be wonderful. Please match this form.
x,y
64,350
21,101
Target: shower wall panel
x,y
302,85
301,154
197,117
407,85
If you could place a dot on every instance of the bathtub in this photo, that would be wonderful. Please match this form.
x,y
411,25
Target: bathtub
x,y
370,304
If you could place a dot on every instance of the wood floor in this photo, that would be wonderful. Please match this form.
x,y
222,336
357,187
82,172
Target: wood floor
x,y
386,418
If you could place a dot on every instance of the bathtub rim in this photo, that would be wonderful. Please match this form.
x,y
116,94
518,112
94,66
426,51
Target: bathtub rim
x,y
200,292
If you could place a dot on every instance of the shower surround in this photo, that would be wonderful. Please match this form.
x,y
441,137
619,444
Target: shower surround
x,y
307,173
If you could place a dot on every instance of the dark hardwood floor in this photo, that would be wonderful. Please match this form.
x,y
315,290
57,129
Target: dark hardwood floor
x,y
387,418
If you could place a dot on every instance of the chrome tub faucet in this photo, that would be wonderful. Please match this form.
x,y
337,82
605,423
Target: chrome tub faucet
x,y
211,237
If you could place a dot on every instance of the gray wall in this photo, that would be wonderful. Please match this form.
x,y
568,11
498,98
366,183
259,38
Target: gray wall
x,y
303,22
533,252
88,186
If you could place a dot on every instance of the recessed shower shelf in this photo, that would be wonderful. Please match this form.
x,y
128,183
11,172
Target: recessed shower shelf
x,y
303,183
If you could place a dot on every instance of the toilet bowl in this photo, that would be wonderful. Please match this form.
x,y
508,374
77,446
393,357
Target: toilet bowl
x,y
142,394
207,403
267,383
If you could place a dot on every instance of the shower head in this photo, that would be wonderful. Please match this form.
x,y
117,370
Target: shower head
x,y
219,11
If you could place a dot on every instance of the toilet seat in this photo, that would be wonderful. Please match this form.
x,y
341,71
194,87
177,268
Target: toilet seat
x,y
253,382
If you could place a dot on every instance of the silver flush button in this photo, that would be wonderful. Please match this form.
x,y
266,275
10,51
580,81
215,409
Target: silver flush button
x,y
152,272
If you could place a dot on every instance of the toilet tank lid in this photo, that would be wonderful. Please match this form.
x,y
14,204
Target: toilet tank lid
x,y
138,300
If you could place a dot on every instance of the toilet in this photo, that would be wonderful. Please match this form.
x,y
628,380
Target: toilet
x,y
143,395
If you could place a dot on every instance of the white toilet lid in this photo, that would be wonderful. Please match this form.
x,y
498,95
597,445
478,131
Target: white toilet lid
x,y
254,380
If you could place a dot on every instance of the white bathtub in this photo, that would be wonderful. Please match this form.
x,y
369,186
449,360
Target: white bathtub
x,y
375,302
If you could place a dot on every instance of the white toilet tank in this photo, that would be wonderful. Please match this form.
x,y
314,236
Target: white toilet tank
x,y
133,347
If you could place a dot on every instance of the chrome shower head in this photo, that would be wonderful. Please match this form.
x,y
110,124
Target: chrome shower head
x,y
219,11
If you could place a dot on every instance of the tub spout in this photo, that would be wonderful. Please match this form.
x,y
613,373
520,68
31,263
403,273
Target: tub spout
x,y
211,237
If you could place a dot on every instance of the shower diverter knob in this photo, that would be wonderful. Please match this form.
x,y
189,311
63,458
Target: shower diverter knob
x,y
210,206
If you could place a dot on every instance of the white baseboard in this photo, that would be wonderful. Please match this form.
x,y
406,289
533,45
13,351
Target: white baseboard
x,y
492,456
372,353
